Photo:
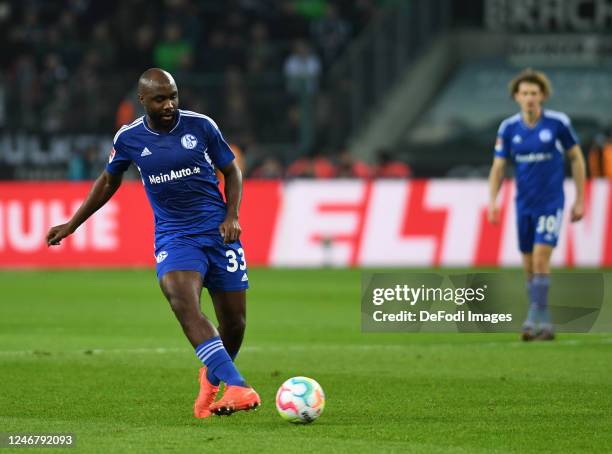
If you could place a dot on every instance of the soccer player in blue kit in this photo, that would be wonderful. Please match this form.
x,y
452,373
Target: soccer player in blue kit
x,y
537,140
196,233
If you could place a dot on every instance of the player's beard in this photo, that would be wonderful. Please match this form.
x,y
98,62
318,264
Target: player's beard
x,y
165,122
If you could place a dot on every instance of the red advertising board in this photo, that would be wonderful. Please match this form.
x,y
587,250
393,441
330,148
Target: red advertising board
x,y
308,223
121,233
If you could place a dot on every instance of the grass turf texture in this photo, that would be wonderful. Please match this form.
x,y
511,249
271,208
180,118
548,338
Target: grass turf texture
x,y
99,354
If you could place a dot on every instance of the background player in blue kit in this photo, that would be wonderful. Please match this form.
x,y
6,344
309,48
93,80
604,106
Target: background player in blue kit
x,y
537,140
196,232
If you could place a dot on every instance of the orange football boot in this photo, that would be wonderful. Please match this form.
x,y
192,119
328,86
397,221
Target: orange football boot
x,y
207,395
236,398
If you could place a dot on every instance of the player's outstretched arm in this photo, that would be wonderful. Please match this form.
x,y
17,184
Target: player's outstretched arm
x,y
101,192
579,175
496,176
230,228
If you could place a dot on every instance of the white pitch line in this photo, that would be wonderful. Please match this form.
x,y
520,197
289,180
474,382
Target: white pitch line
x,y
298,348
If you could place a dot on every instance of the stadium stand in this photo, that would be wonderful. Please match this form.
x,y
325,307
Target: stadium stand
x,y
462,121
232,60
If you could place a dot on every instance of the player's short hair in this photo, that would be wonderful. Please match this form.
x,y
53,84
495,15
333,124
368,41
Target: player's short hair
x,y
534,77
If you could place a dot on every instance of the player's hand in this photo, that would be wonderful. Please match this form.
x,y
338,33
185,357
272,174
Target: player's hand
x,y
493,214
577,212
57,234
230,230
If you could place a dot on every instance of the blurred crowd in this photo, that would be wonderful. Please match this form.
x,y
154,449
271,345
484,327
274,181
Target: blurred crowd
x,y
599,155
341,165
257,66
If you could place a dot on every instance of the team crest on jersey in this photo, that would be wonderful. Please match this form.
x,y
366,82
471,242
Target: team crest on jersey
x,y
545,135
189,141
112,155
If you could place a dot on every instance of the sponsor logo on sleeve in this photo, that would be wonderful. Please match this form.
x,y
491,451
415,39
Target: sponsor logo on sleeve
x,y
499,144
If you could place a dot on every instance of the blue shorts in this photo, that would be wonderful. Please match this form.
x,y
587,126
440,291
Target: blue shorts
x,y
222,266
538,227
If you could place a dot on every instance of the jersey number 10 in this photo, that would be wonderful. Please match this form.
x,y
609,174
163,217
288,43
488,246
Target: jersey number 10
x,y
547,224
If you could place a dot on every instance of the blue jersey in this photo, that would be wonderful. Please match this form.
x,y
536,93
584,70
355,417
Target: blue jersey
x,y
178,172
538,156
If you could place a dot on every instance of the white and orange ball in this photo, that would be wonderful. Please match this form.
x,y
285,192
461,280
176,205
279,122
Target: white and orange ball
x,y
300,400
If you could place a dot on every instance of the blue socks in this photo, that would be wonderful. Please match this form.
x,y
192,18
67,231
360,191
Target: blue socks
x,y
211,377
532,314
540,285
219,365
538,302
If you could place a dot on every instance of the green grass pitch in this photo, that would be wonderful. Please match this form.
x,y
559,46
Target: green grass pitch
x,y
99,354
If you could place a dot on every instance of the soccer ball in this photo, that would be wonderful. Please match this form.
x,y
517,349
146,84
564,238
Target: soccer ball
x,y
300,400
